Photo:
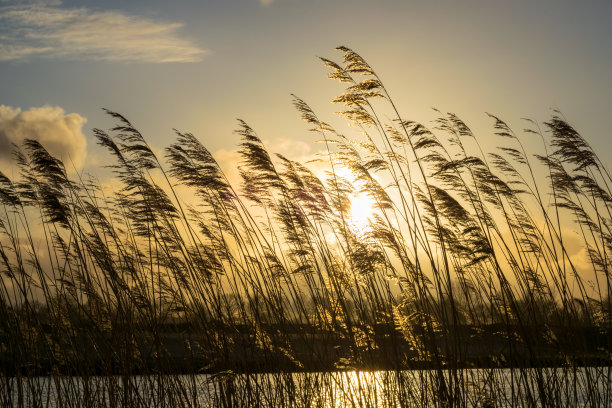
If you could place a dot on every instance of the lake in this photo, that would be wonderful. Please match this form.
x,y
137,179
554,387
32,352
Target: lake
x,y
571,387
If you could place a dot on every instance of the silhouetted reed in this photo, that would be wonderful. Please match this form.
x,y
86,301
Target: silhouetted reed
x,y
176,288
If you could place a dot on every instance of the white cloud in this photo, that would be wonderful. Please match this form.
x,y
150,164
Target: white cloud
x,y
60,133
36,30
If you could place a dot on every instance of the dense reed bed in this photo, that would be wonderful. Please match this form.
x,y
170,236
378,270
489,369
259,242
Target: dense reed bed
x,y
464,282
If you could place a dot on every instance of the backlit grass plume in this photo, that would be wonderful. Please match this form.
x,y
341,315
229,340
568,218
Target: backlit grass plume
x,y
463,282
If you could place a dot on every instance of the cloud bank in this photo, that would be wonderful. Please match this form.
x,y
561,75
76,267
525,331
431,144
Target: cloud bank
x,y
36,30
60,133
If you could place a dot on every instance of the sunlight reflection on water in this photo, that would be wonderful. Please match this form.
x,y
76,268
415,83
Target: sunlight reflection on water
x,y
584,387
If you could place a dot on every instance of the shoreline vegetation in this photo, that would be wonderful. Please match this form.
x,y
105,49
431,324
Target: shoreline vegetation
x,y
465,259
482,347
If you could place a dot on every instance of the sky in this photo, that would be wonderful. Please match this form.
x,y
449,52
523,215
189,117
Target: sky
x,y
197,66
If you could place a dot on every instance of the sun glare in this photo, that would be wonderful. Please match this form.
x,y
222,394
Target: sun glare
x,y
362,208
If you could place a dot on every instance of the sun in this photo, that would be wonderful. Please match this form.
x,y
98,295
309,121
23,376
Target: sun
x,y
362,208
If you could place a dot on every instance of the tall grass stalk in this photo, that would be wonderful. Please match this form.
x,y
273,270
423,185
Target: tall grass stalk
x,y
177,288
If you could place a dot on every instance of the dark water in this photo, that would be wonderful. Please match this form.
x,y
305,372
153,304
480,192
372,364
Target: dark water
x,y
558,387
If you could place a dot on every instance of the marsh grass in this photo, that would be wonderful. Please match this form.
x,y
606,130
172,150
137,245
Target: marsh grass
x,y
465,285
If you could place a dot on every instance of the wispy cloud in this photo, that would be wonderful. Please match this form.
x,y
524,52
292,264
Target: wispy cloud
x,y
35,30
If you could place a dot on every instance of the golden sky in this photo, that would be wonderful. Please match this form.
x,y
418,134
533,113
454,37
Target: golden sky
x,y
197,66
